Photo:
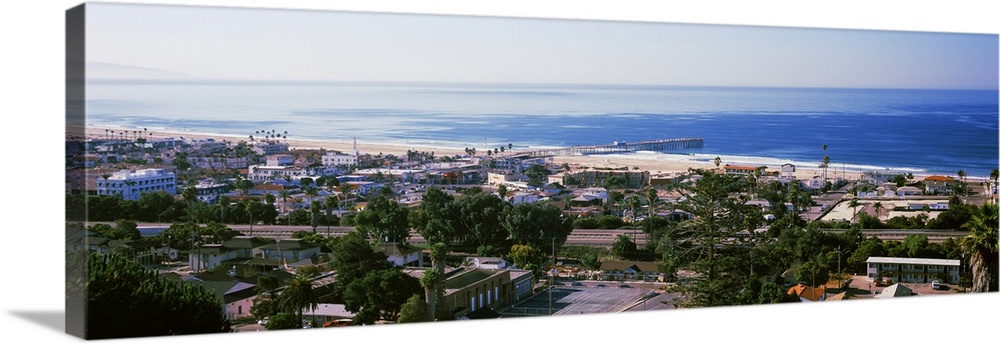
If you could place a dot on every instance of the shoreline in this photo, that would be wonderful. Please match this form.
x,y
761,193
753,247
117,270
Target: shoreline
x,y
655,164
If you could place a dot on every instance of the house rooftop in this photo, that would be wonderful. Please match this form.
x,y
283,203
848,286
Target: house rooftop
x,y
920,261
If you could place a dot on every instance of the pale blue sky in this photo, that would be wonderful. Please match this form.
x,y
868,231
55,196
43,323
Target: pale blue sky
x,y
257,44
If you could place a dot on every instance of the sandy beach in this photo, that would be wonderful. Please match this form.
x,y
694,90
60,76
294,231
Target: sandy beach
x,y
654,163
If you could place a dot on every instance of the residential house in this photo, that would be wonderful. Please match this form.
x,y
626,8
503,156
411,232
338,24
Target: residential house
x,y
788,170
519,197
289,250
909,191
740,170
895,290
807,293
326,312
401,254
913,270
237,297
208,256
615,270
939,185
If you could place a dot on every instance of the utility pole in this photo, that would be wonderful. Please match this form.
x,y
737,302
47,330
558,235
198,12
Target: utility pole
x,y
839,278
552,281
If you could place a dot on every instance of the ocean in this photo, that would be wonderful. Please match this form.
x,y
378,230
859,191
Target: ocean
x,y
920,131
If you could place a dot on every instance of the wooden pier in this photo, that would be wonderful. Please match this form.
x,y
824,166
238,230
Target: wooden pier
x,y
625,147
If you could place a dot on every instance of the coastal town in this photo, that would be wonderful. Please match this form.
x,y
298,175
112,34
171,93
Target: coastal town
x,y
284,234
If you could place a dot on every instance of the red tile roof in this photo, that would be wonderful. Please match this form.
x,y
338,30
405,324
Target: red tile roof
x,y
939,179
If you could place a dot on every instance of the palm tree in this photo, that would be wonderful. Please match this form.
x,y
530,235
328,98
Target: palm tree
x,y
995,177
314,208
224,201
284,195
718,161
298,295
854,205
961,176
330,203
982,245
433,279
878,209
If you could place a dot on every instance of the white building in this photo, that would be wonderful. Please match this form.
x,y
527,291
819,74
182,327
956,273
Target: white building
x,y
215,162
913,270
260,173
333,159
516,198
280,159
268,148
131,184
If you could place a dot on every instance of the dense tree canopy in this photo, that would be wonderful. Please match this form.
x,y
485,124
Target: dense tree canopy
x,y
126,300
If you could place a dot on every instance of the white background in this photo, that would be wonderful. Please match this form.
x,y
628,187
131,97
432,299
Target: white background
x,y
33,95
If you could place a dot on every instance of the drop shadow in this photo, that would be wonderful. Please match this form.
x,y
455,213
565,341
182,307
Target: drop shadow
x,y
53,320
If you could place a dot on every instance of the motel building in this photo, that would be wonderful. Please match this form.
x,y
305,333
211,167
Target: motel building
x,y
913,270
130,184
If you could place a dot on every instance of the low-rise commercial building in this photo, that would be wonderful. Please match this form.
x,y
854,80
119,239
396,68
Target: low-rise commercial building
x,y
913,270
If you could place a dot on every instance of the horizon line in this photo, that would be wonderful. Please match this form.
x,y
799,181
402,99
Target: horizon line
x,y
319,82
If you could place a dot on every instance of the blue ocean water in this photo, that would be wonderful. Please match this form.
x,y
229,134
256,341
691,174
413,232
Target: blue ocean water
x,y
938,131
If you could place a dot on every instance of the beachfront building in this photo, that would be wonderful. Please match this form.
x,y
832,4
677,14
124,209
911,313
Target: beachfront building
x,y
131,184
264,173
218,162
913,270
788,170
280,159
334,159
268,148
939,185
633,179
741,170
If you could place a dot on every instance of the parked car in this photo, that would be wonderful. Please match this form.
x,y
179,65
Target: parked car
x,y
262,322
936,285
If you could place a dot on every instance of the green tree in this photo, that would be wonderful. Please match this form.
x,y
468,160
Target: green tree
x,y
283,321
353,258
433,217
524,255
536,224
113,286
380,294
982,245
297,296
536,174
476,220
433,280
384,220
813,273
716,249
414,310
590,261
623,247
